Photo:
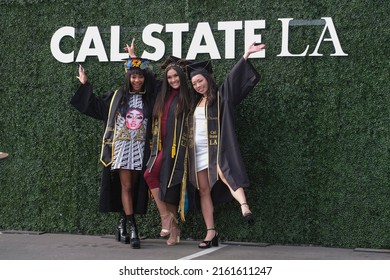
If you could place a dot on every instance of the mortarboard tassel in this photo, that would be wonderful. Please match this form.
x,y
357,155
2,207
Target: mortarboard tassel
x,y
173,152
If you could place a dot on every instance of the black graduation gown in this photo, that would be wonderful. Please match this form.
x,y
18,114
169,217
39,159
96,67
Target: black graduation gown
x,y
110,193
172,167
222,141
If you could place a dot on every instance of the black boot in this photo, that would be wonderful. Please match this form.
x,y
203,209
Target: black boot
x,y
121,232
134,239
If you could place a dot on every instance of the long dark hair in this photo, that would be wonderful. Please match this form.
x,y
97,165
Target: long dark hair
x,y
212,92
184,98
147,86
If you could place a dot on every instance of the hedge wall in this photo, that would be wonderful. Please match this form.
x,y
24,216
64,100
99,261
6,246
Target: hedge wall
x,y
314,133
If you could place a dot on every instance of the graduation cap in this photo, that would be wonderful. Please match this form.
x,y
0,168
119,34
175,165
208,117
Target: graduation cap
x,y
201,67
132,63
175,61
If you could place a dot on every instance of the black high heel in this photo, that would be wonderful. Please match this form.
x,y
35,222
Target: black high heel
x,y
135,242
248,216
210,243
121,232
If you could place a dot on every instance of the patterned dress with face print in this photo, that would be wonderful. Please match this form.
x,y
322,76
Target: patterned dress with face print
x,y
129,140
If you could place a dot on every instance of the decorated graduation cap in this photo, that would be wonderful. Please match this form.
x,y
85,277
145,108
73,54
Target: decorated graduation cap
x,y
132,63
201,67
175,61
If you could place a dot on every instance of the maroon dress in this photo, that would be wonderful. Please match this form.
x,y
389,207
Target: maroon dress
x,y
153,177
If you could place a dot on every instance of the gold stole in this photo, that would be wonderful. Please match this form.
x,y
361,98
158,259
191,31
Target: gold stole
x,y
106,155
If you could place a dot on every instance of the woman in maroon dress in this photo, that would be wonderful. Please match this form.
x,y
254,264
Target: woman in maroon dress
x,y
166,166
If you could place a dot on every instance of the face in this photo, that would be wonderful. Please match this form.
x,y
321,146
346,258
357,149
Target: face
x,y
134,119
200,84
173,79
137,81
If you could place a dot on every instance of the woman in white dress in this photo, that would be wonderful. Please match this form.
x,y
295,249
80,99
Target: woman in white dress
x,y
216,168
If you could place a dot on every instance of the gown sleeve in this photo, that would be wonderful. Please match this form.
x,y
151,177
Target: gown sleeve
x,y
89,104
240,81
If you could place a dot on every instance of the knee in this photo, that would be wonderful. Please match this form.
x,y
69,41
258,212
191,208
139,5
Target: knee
x,y
152,180
127,187
147,176
204,192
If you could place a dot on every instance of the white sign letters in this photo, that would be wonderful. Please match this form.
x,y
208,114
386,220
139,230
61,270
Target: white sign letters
x,y
203,41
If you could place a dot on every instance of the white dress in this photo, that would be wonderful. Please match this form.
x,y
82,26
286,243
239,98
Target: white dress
x,y
202,159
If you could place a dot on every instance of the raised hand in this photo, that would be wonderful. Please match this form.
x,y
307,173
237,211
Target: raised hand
x,y
82,76
255,47
130,49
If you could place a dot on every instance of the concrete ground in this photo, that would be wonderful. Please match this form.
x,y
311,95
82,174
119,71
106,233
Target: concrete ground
x,y
48,246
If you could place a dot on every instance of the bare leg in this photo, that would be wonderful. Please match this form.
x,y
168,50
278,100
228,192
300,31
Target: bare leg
x,y
174,236
167,212
128,178
238,195
206,203
161,205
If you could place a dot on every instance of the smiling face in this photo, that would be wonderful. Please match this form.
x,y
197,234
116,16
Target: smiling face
x,y
134,119
200,84
173,78
137,82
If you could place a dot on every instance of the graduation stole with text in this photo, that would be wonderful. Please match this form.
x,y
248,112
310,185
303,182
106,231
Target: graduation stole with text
x,y
213,115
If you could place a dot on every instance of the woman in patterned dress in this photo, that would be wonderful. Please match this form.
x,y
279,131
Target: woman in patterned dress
x,y
126,114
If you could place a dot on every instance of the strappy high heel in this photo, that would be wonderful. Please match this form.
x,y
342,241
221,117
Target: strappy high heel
x,y
210,243
174,238
166,231
248,216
